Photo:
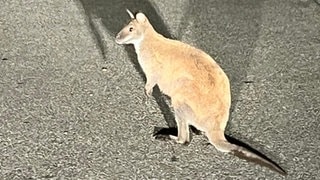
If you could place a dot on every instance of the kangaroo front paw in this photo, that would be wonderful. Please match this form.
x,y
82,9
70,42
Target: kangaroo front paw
x,y
148,89
148,92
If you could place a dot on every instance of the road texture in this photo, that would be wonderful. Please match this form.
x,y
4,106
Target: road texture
x,y
72,103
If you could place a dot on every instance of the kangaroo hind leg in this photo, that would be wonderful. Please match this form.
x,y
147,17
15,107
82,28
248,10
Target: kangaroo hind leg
x,y
183,114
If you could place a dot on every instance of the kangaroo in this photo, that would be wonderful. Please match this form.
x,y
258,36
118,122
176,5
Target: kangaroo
x,y
198,87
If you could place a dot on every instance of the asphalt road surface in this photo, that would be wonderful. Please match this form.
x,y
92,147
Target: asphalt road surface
x,y
72,103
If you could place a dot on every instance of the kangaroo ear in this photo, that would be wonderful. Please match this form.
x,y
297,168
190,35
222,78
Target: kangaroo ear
x,y
140,17
130,14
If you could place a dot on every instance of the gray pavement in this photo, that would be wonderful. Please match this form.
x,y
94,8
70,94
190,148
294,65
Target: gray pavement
x,y
72,104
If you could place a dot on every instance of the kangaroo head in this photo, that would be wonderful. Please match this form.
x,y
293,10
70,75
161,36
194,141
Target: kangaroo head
x,y
134,31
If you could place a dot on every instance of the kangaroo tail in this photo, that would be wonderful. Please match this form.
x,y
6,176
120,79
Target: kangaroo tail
x,y
262,160
243,151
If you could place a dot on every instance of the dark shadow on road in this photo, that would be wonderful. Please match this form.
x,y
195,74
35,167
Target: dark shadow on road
x,y
114,16
162,133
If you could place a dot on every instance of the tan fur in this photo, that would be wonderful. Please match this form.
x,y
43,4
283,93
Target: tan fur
x,y
198,87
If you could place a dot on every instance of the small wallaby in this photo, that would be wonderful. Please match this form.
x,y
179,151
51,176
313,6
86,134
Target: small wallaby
x,y
198,87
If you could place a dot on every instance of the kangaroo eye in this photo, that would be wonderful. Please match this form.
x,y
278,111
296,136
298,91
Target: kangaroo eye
x,y
131,29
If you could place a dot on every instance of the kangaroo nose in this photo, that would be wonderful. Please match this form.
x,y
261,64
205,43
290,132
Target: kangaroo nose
x,y
118,38
119,35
